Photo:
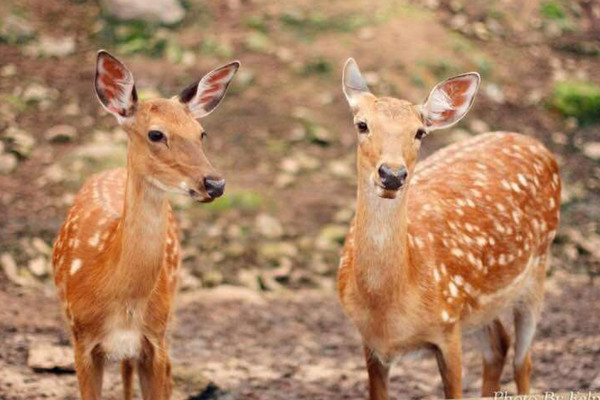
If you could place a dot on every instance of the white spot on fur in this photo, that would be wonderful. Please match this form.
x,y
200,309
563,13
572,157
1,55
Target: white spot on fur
x,y
94,240
453,289
76,265
522,179
419,242
445,316
457,252
480,241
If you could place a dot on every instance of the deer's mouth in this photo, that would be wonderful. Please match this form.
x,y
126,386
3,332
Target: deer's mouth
x,y
199,197
386,193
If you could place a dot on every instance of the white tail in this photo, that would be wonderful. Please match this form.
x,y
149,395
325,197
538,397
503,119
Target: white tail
x,y
447,244
116,258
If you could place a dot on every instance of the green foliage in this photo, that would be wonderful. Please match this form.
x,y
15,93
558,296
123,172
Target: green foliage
x,y
577,99
241,200
552,10
134,37
258,23
308,24
317,66
442,69
258,42
213,46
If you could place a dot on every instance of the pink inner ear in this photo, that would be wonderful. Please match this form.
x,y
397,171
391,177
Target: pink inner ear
x,y
212,90
218,76
113,69
457,90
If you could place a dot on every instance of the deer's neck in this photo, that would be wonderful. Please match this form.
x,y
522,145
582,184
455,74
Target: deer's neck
x,y
381,255
142,232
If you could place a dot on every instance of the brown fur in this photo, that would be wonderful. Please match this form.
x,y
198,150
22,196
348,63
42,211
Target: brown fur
x,y
446,255
117,256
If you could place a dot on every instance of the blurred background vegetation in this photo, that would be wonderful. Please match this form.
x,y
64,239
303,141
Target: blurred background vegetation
x,y
283,136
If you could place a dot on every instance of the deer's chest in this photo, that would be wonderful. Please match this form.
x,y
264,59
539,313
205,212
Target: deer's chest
x,y
388,331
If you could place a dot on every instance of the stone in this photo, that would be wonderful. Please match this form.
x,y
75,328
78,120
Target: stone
x,y
592,150
15,29
249,278
341,169
8,70
290,166
8,163
306,162
268,226
37,93
478,126
46,357
20,141
49,46
161,11
193,380
459,22
494,93
276,250
322,135
41,246
61,133
331,237
39,266
284,180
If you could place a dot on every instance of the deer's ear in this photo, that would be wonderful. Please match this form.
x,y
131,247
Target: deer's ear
x,y
450,100
115,87
203,96
353,83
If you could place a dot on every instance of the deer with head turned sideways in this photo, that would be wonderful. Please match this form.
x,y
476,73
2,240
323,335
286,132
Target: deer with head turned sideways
x,y
446,245
116,258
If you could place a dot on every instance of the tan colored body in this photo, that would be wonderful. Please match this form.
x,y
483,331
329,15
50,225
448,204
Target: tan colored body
x,y
116,271
480,218
116,258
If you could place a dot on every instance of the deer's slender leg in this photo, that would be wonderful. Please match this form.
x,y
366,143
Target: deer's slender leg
x,y
89,366
127,369
495,341
525,321
378,376
152,370
449,360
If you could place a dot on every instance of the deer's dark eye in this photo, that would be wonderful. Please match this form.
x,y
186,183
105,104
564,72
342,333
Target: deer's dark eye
x,y
203,135
362,127
156,136
420,133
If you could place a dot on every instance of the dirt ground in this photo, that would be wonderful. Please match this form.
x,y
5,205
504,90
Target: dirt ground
x,y
233,343
257,316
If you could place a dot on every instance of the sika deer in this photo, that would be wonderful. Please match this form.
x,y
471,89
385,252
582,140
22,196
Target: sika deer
x,y
448,244
116,258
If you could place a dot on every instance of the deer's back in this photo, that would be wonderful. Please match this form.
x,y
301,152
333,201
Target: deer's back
x,y
483,213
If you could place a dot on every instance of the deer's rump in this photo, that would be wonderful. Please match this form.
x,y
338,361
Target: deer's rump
x,y
483,212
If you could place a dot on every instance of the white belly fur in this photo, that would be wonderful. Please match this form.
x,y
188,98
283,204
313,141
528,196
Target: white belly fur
x,y
120,344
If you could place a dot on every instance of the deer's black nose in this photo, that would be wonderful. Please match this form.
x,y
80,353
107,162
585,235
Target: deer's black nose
x,y
214,186
392,179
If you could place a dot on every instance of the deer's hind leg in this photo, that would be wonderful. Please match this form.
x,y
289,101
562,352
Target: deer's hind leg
x,y
494,342
127,370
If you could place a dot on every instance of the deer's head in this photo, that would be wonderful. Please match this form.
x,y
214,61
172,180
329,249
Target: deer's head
x,y
390,130
165,135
